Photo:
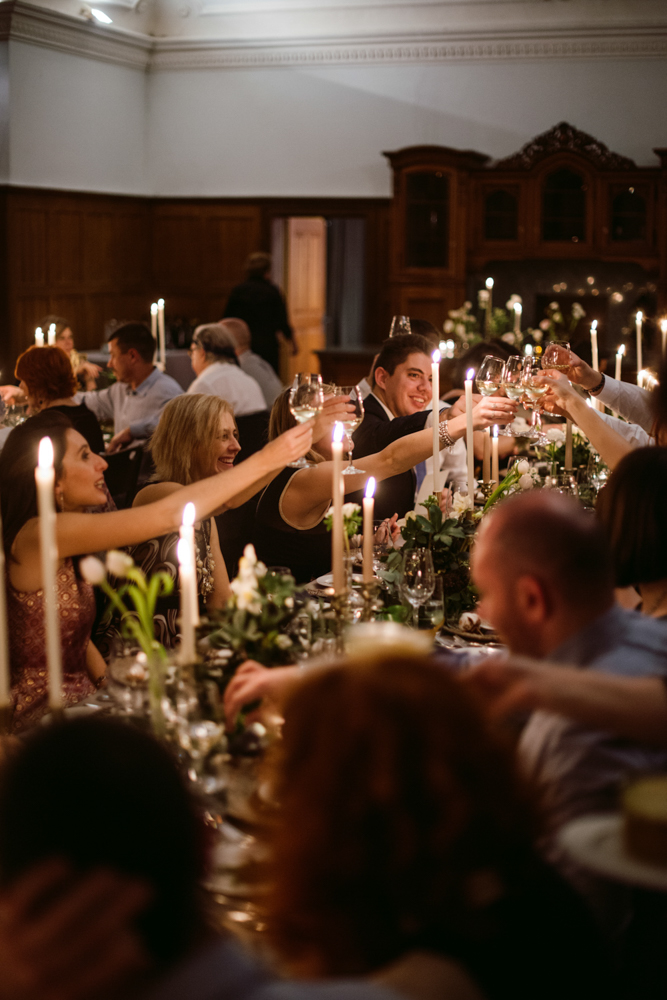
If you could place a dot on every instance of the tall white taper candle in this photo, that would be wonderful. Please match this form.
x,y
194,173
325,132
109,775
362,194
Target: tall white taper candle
x,y
595,361
568,444
52,335
640,360
470,374
39,337
154,327
663,330
161,336
45,480
495,465
518,309
337,567
486,462
435,398
619,361
187,572
368,508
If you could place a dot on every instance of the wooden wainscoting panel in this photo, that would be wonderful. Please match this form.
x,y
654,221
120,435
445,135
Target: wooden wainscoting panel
x,y
65,243
28,244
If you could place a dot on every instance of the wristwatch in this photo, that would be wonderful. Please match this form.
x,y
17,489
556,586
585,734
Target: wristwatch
x,y
597,388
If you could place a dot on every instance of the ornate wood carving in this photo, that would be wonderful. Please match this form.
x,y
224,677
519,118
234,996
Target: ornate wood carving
x,y
560,139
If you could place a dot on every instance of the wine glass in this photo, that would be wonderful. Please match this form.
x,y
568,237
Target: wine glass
x,y
306,400
533,392
431,615
351,421
557,356
490,381
417,579
399,325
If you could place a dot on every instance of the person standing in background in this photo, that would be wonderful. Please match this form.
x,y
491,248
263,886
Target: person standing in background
x,y
260,304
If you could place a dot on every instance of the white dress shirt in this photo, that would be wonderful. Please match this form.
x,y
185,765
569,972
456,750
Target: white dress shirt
x,y
231,383
629,401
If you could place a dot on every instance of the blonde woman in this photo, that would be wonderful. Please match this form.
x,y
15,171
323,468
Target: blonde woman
x,y
195,439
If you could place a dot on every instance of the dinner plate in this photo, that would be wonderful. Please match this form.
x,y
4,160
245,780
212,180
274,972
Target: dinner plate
x,y
327,579
473,636
596,842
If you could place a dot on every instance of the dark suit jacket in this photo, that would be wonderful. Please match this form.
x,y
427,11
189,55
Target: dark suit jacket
x,y
261,305
397,494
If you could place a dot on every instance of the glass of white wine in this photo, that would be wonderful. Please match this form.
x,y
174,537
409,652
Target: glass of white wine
x,y
533,392
399,325
557,356
417,579
351,421
431,615
490,381
306,400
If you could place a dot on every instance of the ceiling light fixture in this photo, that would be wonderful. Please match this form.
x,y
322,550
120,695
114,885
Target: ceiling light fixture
x,y
94,14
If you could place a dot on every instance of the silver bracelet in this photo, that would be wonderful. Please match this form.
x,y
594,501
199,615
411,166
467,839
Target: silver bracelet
x,y
446,440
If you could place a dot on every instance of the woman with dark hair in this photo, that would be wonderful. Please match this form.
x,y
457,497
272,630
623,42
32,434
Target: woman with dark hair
x,y
631,508
403,826
48,383
79,484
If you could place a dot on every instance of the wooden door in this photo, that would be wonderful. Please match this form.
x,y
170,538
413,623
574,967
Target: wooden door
x,y
306,293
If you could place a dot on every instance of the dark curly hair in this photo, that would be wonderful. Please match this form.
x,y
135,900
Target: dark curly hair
x,y
400,811
47,372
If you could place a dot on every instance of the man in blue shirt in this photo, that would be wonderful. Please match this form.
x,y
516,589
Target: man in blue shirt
x,y
135,401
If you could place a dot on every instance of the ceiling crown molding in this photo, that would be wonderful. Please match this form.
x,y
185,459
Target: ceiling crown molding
x,y
24,22
192,53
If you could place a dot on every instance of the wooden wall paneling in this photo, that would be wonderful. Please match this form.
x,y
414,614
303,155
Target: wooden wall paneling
x,y
233,233
306,292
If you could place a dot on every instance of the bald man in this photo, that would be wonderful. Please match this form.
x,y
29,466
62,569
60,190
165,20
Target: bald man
x,y
251,363
543,570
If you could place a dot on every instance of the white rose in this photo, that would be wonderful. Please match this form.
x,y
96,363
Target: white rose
x,y
460,504
555,434
249,555
526,482
523,466
448,326
545,324
553,305
118,563
467,306
460,330
92,570
537,335
410,516
508,338
350,508
260,569
283,641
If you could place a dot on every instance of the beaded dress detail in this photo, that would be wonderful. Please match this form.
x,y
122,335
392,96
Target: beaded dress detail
x,y
27,645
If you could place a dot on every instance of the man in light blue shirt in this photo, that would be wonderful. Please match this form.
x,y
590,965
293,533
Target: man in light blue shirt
x,y
135,401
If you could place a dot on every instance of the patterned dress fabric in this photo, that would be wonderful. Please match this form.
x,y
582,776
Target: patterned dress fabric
x,y
27,645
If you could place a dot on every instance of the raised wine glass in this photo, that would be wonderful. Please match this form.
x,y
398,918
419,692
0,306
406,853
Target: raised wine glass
x,y
532,393
417,579
490,381
351,421
306,400
399,325
557,356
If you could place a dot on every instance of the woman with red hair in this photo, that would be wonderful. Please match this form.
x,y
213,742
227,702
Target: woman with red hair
x,y
48,383
404,828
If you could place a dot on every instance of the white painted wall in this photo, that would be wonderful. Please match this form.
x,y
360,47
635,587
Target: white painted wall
x,y
295,131
4,112
76,123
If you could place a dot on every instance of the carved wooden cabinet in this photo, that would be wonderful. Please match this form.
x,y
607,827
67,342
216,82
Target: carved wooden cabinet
x,y
564,197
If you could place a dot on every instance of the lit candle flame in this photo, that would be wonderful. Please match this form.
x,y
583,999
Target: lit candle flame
x,y
160,303
435,357
470,374
621,351
153,308
189,515
45,453
518,307
370,488
594,325
489,283
640,315
338,432
495,430
663,325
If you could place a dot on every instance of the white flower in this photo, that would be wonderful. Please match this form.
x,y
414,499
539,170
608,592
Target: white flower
x,y
460,504
523,466
508,338
410,516
526,482
283,641
92,570
118,563
289,602
249,555
545,324
246,596
537,335
448,326
513,299
260,569
578,310
460,330
555,434
350,508
553,305
469,621
483,296
467,306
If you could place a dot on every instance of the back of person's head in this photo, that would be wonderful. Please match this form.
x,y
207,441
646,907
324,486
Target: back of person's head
x,y
659,404
217,343
18,460
239,330
47,373
631,509
186,438
135,336
552,538
258,264
59,322
394,797
99,793
396,350
424,328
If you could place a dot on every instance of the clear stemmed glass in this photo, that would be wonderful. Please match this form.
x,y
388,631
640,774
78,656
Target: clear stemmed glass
x,y
352,421
417,579
431,615
399,325
533,392
306,400
557,356
490,381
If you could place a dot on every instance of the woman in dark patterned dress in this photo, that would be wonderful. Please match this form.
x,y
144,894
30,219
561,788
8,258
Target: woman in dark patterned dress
x,y
79,484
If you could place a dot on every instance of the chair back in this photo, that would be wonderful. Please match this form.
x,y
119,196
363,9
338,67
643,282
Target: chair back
x,y
122,475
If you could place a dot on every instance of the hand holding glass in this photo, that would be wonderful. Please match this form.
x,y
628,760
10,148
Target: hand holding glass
x,y
306,401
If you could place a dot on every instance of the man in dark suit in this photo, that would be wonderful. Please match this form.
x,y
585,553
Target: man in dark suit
x,y
260,304
400,404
